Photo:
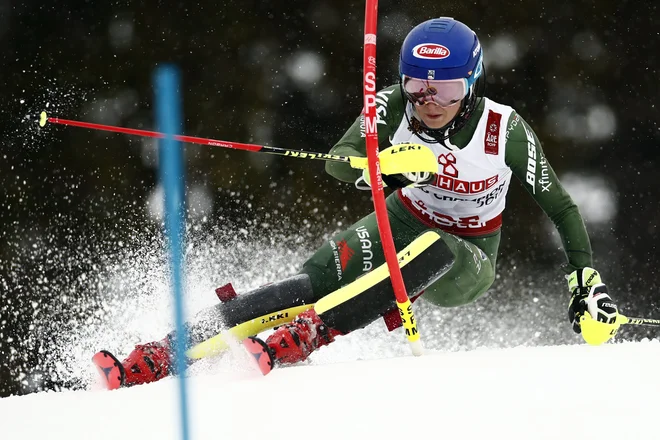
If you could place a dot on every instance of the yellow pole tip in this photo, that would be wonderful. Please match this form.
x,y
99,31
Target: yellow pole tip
x,y
43,118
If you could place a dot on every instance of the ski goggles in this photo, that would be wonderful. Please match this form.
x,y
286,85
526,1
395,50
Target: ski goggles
x,y
444,93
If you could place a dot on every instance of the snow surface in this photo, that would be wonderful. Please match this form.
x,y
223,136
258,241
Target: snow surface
x,y
549,392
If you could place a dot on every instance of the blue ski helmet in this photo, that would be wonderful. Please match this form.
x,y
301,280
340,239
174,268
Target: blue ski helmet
x,y
442,48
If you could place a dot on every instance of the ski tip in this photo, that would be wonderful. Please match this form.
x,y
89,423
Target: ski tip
x,y
260,354
43,118
110,369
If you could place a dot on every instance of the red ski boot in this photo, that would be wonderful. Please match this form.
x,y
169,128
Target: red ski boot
x,y
147,363
292,342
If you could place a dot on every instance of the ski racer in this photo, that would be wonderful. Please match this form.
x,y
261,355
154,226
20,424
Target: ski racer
x,y
449,221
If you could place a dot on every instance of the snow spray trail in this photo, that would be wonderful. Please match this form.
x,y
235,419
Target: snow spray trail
x,y
133,301
112,295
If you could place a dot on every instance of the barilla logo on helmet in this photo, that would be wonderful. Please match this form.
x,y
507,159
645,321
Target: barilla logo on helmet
x,y
431,51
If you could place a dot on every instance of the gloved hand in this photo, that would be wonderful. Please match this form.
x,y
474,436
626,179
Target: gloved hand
x,y
404,180
401,166
396,181
589,294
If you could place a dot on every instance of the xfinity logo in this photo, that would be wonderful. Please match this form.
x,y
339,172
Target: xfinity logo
x,y
431,51
544,181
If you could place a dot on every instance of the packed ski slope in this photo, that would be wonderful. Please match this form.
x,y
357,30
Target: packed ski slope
x,y
552,392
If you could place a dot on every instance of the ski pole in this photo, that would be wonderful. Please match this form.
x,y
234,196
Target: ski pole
x,y
375,171
595,332
415,158
354,161
638,321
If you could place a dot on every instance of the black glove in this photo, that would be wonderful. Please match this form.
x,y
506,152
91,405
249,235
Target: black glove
x,y
589,294
403,180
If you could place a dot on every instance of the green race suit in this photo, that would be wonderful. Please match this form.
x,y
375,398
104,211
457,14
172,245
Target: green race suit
x,y
357,250
456,268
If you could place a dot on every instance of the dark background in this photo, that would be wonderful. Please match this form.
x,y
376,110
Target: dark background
x,y
584,74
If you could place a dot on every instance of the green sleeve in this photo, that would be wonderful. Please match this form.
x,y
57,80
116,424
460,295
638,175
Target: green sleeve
x,y
524,155
389,109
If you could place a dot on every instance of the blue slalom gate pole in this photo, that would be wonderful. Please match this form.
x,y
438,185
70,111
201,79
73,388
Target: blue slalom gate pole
x,y
172,177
